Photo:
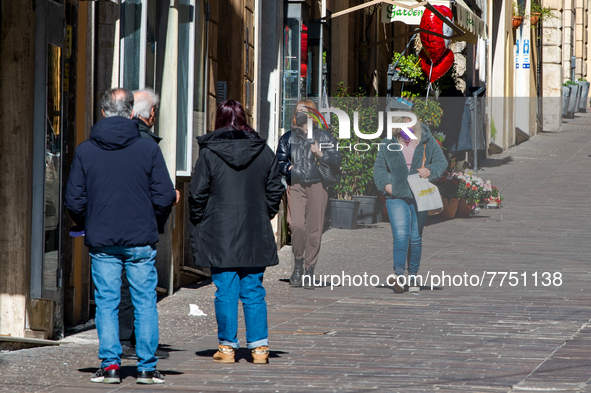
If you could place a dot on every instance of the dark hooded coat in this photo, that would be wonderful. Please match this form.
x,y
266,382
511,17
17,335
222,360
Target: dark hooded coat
x,y
235,191
119,189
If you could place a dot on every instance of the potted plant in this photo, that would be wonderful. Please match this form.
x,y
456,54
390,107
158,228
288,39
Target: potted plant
x,y
491,196
570,92
406,68
539,13
584,87
518,14
448,186
573,105
356,183
470,191
439,137
566,88
428,111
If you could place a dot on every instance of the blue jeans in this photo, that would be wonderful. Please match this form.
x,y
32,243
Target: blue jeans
x,y
406,225
107,263
245,284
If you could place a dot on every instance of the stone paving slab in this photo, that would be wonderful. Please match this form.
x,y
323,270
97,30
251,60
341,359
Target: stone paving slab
x,y
492,337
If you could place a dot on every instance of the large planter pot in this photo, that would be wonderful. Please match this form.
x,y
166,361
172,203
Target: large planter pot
x,y
367,209
343,214
464,210
579,94
450,206
584,87
572,101
565,98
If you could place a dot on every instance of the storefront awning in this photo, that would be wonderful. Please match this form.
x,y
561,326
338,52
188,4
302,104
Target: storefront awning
x,y
472,25
400,11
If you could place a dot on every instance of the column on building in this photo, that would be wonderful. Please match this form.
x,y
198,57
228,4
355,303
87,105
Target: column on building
x,y
552,56
525,108
581,38
568,37
502,70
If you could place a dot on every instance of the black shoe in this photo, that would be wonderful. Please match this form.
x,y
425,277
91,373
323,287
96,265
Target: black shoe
x,y
106,376
149,377
397,287
296,277
308,282
128,352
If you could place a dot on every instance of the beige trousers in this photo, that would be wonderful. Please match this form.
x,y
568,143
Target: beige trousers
x,y
306,205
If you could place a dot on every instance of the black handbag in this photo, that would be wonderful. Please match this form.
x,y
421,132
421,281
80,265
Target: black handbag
x,y
329,177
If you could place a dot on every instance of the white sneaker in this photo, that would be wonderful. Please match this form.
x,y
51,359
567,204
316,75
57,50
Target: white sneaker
x,y
414,288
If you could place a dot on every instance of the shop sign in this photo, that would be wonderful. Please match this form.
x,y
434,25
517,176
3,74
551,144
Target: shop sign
x,y
395,13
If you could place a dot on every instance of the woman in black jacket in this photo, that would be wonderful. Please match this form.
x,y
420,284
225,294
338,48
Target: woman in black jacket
x,y
235,192
298,158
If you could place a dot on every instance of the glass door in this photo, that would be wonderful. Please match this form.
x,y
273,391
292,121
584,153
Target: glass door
x,y
46,211
291,69
53,167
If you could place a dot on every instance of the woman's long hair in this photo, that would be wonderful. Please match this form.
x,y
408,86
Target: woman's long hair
x,y
307,102
231,114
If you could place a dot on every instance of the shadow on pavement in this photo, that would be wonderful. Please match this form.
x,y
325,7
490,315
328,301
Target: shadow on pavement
x,y
495,162
128,371
199,284
423,288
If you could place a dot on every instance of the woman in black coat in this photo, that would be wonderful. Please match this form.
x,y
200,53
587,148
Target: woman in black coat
x,y
298,158
235,192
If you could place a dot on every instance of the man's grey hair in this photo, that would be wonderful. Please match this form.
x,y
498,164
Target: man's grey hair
x,y
145,100
117,102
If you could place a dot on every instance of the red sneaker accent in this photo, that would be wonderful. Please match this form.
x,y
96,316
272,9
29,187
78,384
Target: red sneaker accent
x,y
112,367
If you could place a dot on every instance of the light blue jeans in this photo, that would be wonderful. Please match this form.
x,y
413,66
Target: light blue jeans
x,y
406,225
245,284
107,263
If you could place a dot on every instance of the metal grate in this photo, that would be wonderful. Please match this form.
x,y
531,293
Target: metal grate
x,y
221,89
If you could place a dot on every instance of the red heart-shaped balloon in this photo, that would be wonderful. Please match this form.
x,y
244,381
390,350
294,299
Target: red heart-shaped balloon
x,y
433,45
437,69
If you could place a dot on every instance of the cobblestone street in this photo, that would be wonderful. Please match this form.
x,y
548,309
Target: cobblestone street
x,y
490,337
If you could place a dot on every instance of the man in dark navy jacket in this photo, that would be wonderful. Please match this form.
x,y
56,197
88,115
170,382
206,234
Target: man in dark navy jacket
x,y
120,192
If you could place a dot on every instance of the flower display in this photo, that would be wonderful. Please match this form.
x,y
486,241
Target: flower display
x,y
492,195
471,189
448,185
467,186
439,137
475,190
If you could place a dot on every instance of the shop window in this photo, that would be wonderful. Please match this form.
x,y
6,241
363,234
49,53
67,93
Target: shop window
x,y
151,43
139,55
191,86
301,65
133,44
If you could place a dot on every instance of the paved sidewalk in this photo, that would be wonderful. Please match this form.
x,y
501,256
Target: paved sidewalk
x,y
534,336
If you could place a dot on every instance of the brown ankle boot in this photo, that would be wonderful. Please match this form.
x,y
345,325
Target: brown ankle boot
x,y
260,355
225,354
